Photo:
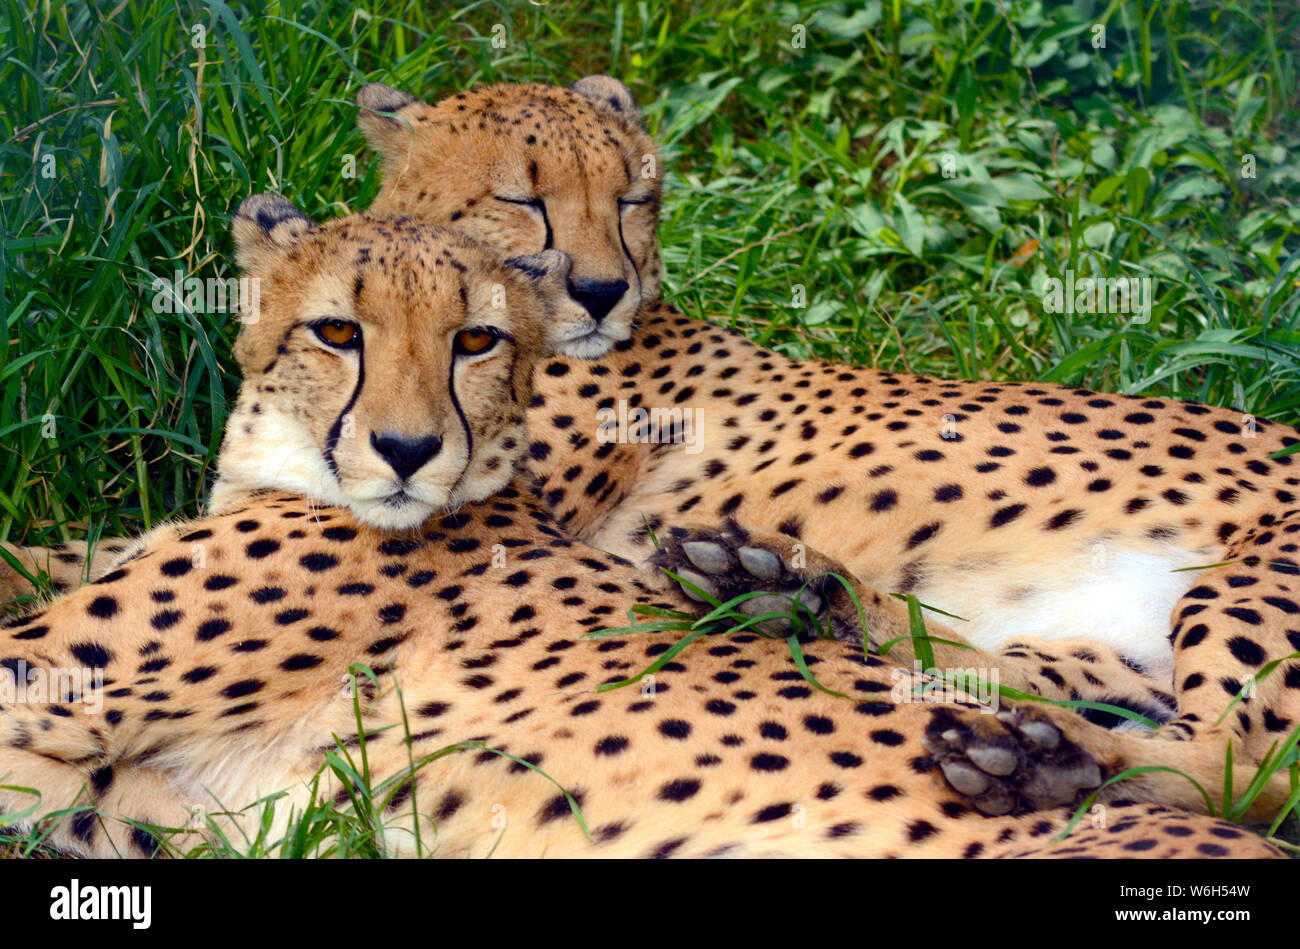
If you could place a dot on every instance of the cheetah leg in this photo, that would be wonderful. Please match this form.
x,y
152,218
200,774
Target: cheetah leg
x,y
91,813
1228,629
1236,622
1028,757
1084,671
732,560
67,565
1148,831
1025,758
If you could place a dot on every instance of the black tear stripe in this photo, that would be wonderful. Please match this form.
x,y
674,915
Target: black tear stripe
x,y
546,219
628,254
451,391
514,363
469,436
332,440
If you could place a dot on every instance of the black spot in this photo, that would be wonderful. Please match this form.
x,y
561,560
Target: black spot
x,y
102,607
260,549
211,629
675,728
176,568
1006,515
1246,651
680,790
1040,477
244,687
1064,519
772,812
91,655
300,661
920,830
612,745
948,492
316,563
921,535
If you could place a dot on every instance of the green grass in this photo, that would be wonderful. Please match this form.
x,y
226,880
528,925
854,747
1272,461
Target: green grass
x,y
895,191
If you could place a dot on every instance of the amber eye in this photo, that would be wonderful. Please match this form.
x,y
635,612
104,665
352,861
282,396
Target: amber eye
x,y
338,333
473,342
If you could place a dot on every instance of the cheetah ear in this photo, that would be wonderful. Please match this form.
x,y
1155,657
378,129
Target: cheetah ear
x,y
611,95
548,272
386,115
547,269
263,223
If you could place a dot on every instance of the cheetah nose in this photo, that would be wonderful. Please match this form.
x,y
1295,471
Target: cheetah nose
x,y
406,455
597,296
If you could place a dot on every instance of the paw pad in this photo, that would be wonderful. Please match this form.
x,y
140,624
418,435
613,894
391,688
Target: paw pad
x,y
730,562
1016,760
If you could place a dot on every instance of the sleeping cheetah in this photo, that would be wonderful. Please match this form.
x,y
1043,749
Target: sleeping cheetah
x,y
381,385
1010,505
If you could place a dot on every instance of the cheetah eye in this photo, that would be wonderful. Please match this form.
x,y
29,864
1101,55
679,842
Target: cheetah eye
x,y
474,342
536,204
339,334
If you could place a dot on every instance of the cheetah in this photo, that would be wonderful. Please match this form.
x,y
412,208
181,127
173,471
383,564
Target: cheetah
x,y
1064,526
221,673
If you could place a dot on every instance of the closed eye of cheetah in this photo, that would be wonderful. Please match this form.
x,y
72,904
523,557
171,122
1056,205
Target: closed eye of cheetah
x,y
221,677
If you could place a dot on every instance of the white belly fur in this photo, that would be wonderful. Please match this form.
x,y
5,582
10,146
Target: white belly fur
x,y
1117,598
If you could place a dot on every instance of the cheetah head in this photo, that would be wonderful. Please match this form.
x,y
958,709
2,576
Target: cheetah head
x,y
386,363
523,168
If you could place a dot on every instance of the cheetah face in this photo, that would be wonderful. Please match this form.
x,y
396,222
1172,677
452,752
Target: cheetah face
x,y
525,168
388,365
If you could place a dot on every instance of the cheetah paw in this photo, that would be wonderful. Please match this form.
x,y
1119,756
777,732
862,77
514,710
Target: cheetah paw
x,y
1015,760
730,561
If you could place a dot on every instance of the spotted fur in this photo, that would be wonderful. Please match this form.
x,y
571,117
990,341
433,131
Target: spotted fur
x,y
1066,526
226,675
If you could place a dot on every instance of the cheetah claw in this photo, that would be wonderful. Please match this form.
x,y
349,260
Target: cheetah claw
x,y
730,561
1016,760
